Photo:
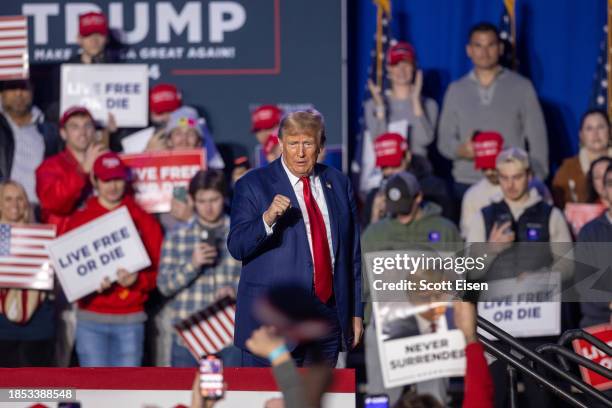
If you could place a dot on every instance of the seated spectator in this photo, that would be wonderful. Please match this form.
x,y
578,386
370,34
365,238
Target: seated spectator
x,y
570,182
404,110
487,146
520,216
482,193
62,180
589,256
26,139
393,155
493,98
264,121
412,220
110,323
196,268
27,329
596,192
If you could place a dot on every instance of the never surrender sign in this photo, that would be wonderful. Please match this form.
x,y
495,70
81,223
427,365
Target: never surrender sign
x,y
85,256
155,175
409,355
120,89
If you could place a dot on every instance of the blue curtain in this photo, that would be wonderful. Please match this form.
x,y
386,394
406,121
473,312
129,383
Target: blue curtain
x,y
558,44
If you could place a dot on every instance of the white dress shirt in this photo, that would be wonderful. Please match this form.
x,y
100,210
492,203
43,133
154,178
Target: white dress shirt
x,y
316,189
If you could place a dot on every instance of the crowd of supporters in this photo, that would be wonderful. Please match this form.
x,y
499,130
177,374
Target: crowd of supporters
x,y
64,170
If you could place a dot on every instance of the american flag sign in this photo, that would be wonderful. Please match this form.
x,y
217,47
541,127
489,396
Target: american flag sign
x,y
210,330
24,256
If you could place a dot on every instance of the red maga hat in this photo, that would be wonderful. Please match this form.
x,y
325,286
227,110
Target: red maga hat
x,y
164,98
402,51
93,22
487,146
74,110
265,117
390,149
108,166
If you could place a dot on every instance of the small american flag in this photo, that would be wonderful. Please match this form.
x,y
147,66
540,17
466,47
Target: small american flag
x,y
24,257
210,330
599,95
377,72
507,33
14,63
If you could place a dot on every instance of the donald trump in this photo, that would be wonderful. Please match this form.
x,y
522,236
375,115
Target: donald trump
x,y
295,222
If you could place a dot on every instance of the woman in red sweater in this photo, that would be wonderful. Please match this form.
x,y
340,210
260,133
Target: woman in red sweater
x,y
110,323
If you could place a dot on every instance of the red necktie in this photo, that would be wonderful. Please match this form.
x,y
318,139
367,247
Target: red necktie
x,y
320,246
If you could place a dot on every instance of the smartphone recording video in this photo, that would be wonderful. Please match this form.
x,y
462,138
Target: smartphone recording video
x,y
211,377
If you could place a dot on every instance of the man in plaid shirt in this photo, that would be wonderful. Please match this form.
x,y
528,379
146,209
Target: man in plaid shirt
x,y
196,268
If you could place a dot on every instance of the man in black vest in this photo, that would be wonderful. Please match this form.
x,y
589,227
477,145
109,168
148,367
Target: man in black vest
x,y
519,225
520,215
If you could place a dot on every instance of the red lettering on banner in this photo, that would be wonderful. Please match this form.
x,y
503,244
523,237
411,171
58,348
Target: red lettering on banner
x,y
604,333
157,174
146,173
178,172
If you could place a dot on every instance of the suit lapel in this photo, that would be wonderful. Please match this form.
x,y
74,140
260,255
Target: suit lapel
x,y
332,209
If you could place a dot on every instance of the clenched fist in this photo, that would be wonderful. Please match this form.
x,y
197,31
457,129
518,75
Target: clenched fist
x,y
280,204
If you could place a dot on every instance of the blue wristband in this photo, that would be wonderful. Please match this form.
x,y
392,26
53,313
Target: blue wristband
x,y
277,352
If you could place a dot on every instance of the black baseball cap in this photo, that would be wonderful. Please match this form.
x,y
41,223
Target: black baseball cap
x,y
400,192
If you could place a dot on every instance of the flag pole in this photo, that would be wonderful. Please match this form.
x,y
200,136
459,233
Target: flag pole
x,y
383,8
379,59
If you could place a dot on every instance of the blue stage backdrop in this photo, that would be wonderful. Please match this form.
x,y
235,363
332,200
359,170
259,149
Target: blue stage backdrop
x,y
558,45
227,57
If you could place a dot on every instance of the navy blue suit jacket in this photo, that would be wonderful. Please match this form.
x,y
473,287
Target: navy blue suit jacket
x,y
284,256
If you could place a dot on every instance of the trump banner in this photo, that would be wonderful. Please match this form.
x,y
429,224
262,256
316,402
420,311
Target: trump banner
x,y
120,89
206,48
157,176
604,333
85,256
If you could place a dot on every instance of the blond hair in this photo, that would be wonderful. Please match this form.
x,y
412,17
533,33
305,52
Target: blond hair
x,y
309,121
27,217
513,155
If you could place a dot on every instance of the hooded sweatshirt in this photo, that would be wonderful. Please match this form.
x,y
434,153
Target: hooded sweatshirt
x,y
118,300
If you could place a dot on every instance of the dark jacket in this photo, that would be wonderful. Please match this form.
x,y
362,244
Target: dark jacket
x,y
7,143
592,259
284,256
